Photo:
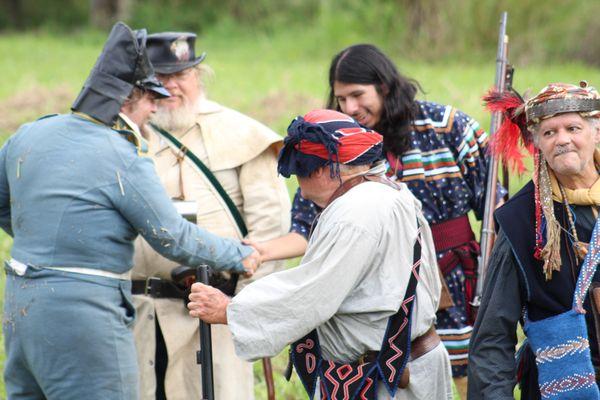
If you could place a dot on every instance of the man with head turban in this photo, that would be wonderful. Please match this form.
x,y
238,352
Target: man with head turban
x,y
544,236
342,307
440,153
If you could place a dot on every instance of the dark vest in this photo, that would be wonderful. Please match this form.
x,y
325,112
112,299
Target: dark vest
x,y
544,298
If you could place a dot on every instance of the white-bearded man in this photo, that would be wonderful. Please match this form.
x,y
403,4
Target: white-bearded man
x,y
239,196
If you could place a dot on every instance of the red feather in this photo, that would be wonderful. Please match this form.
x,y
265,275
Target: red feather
x,y
505,142
502,101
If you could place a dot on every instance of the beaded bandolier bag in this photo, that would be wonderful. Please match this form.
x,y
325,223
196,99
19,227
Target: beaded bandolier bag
x,y
560,342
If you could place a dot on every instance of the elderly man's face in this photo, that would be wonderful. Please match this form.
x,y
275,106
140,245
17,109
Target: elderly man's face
x,y
318,187
567,142
182,85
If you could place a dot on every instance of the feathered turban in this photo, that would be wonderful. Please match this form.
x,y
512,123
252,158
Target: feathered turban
x,y
519,118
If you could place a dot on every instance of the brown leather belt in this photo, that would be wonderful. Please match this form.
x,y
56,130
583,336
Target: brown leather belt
x,y
418,347
424,343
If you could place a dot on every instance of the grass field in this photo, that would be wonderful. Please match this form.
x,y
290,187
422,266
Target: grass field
x,y
270,78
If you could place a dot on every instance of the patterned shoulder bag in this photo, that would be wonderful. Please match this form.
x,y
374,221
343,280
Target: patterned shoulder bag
x,y
560,343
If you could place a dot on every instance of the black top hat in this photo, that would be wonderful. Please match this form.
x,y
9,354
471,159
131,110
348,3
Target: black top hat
x,y
171,52
122,65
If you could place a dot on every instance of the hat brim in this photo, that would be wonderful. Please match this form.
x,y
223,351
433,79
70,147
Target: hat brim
x,y
172,68
153,84
160,91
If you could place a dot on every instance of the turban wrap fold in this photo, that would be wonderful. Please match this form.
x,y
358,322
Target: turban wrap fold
x,y
327,137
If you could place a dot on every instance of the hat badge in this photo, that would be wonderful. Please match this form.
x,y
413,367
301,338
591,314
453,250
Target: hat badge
x,y
181,49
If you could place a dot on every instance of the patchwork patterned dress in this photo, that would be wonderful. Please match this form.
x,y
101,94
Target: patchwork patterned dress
x,y
446,169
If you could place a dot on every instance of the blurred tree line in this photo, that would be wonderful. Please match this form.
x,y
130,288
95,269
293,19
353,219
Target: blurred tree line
x,y
549,31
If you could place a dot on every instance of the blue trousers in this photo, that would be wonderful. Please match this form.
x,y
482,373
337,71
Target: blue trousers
x,y
67,337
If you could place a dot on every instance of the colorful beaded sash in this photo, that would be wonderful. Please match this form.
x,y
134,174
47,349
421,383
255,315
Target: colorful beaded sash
x,y
358,380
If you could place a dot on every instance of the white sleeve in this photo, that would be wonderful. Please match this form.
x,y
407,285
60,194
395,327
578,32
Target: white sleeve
x,y
283,307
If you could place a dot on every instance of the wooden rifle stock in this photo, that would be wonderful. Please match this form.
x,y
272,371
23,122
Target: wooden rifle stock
x,y
204,355
488,235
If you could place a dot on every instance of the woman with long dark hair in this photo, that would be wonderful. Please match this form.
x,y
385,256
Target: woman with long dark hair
x,y
366,73
439,152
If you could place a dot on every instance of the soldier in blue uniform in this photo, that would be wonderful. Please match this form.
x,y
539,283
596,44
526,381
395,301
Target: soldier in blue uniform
x,y
74,194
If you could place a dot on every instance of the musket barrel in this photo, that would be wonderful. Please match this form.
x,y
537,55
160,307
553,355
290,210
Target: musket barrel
x,y
487,231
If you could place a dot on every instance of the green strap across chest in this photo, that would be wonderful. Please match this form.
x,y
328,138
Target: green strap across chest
x,y
237,216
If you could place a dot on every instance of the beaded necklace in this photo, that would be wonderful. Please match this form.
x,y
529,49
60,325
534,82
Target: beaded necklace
x,y
580,248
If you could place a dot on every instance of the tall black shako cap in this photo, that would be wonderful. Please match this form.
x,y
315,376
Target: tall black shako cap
x,y
122,65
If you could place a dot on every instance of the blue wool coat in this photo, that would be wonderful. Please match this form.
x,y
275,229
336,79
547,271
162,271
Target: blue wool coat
x,y
74,193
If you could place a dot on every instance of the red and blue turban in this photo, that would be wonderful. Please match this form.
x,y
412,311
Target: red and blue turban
x,y
327,137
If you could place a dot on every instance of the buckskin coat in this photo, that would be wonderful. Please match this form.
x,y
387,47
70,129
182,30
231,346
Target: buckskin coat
x,y
242,154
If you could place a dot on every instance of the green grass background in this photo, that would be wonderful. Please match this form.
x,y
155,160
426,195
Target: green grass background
x,y
272,77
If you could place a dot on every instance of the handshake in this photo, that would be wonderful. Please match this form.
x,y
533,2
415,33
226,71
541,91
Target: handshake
x,y
274,249
254,260
287,246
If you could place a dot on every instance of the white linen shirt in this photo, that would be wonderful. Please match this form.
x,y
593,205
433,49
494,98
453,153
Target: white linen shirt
x,y
351,280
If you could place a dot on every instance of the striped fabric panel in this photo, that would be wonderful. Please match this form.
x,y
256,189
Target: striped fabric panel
x,y
461,331
440,163
457,363
473,137
456,342
480,134
441,129
429,165
442,126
